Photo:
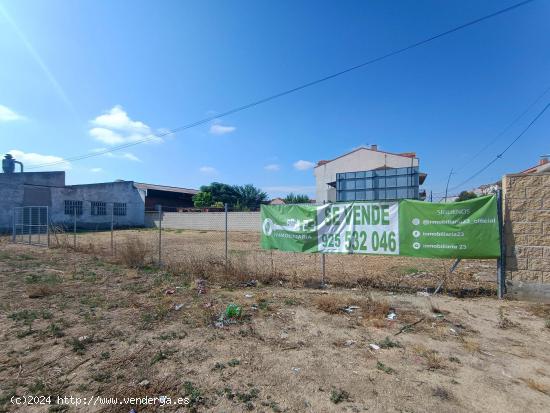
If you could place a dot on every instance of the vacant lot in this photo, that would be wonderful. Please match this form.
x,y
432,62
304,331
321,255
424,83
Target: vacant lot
x,y
398,273
83,324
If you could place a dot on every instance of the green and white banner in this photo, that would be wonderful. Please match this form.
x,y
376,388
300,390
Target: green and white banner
x,y
467,229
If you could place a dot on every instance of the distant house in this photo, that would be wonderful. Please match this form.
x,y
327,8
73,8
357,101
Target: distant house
x,y
368,174
277,201
543,166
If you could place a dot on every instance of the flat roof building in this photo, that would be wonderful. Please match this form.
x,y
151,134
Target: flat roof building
x,y
368,174
94,205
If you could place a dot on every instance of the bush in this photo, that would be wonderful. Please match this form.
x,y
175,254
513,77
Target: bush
x,y
134,252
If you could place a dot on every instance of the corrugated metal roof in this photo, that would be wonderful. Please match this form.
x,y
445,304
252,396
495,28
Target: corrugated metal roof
x,y
141,185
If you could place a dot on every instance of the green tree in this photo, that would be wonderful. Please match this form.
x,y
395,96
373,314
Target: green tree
x,y
296,199
248,196
220,192
202,199
465,195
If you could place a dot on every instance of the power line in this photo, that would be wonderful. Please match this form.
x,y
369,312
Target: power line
x,y
289,91
498,156
506,129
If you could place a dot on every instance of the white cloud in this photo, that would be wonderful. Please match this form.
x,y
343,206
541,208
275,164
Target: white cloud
x,y
115,127
106,136
302,165
35,159
96,170
8,115
208,170
272,167
130,157
218,129
117,118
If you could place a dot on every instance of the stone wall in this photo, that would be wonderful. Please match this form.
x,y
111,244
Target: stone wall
x,y
526,209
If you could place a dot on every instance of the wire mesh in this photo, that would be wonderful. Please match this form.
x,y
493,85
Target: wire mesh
x,y
30,225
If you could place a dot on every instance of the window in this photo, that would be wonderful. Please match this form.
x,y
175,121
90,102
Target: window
x,y
378,184
391,182
73,207
119,209
99,208
349,196
349,184
391,194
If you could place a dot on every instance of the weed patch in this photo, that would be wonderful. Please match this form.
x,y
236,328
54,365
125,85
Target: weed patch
x,y
382,367
339,396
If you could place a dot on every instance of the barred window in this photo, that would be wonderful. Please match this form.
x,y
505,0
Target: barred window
x,y
119,209
73,207
99,208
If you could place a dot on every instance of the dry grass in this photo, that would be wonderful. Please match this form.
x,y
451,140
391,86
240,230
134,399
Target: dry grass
x,y
332,304
285,334
248,260
134,252
540,310
370,308
537,386
503,321
470,345
431,357
39,291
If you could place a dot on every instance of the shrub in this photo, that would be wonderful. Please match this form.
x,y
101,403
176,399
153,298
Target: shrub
x,y
134,252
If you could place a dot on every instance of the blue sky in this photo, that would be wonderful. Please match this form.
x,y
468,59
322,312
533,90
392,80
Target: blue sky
x,y
76,77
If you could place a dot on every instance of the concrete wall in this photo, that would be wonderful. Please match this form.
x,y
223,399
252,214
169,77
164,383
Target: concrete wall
x,y
526,212
207,221
109,192
48,189
12,191
360,160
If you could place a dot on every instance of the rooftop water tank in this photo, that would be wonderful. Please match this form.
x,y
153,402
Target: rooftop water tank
x,y
8,164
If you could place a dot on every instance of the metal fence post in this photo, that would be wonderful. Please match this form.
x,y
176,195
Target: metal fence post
x,y
14,225
39,223
74,227
323,265
48,224
30,225
160,234
501,261
226,216
112,228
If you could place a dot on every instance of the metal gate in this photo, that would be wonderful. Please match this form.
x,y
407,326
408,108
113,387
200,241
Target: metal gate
x,y
30,225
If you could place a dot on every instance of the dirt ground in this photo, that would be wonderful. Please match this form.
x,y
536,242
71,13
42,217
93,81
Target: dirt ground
x,y
82,324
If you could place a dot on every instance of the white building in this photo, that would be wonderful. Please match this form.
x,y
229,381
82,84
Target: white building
x,y
368,174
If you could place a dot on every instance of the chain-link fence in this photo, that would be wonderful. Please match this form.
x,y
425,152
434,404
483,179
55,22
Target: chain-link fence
x,y
215,238
218,242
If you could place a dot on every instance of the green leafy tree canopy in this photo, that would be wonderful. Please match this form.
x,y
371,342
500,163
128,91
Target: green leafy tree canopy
x,y
296,199
241,197
202,199
220,192
465,195
248,196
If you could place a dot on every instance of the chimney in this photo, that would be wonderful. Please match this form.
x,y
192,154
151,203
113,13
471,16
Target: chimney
x,y
374,147
543,160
